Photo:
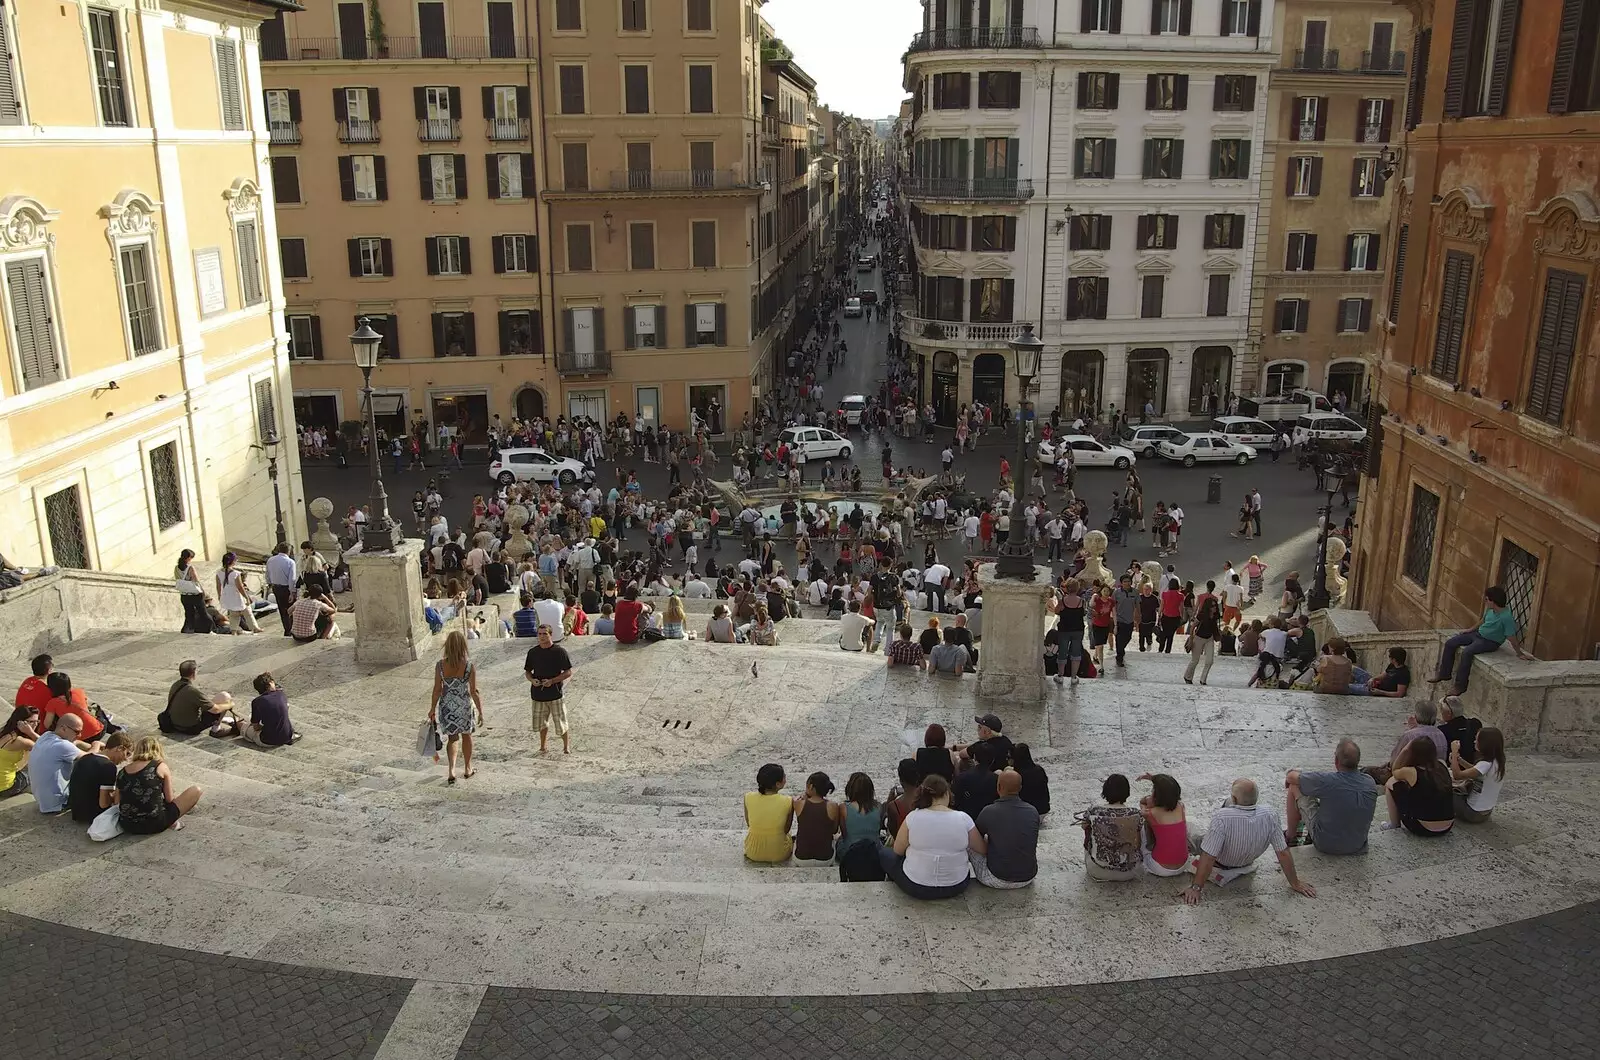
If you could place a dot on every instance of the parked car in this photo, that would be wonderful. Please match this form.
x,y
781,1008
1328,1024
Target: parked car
x,y
1244,429
1326,426
1198,448
1144,437
536,465
852,307
1277,408
852,407
818,443
866,263
1087,452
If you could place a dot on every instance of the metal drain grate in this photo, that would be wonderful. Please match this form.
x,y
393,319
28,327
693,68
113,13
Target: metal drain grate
x,y
677,723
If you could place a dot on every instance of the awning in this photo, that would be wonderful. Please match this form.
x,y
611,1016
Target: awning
x,y
388,404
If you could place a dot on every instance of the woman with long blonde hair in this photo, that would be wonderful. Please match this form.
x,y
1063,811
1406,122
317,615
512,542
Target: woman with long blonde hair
x,y
144,792
456,703
672,619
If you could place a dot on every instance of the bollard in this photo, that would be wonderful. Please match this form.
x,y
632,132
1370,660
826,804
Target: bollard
x,y
1214,490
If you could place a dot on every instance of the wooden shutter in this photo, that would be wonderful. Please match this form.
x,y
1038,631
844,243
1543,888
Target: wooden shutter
x,y
1155,17
524,108
1086,15
438,334
1455,85
1177,160
286,178
386,249
31,322
347,178
1102,296
431,249
1113,90
491,169
1236,235
292,252
1151,91
1310,252
630,334
1349,252
1149,159
600,329
568,332
470,325
526,162
488,105
1077,157
425,176
1365,324
1219,87
316,338
1244,160
455,102
1504,48
1185,17
1566,61
10,103
503,318
1397,274
1083,89
1386,123
228,87
691,337
722,324
1180,92
1248,94
419,101
1455,289
1216,163
461,176
1322,118
352,249
374,105
1254,28
466,255
341,106
1555,345
497,247
973,299
1417,85
1316,177
1116,16
380,178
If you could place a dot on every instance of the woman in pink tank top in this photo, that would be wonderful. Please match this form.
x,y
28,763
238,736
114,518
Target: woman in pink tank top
x,y
1168,826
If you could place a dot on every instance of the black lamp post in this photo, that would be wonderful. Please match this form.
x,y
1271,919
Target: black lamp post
x,y
381,533
1319,598
1016,555
271,447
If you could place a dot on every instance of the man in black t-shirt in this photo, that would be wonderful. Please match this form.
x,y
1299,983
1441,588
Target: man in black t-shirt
x,y
548,668
1395,679
885,599
91,772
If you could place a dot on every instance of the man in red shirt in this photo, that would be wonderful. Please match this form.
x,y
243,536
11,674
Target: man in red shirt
x,y
34,692
627,616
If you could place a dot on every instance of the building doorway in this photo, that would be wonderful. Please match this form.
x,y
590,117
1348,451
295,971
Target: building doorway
x,y
946,388
710,402
1082,377
1210,380
989,380
1284,376
1147,383
317,410
1347,382
587,403
530,403
467,416
647,404
388,414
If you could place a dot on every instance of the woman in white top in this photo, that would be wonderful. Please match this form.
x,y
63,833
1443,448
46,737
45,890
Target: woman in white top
x,y
1475,799
234,596
929,856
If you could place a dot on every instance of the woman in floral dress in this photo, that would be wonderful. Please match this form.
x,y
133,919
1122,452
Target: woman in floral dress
x,y
456,703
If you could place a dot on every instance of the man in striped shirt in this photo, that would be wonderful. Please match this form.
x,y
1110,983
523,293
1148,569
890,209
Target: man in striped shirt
x,y
1239,833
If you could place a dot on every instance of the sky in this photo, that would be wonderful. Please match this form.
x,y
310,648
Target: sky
x,y
851,48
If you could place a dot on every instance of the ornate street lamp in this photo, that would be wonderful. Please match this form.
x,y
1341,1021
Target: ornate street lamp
x,y
1016,555
1320,597
270,446
381,533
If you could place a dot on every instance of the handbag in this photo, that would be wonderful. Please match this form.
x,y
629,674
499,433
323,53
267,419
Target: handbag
x,y
106,825
427,740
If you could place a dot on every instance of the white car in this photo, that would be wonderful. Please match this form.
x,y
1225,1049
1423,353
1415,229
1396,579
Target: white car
x,y
1325,426
1087,452
1244,429
852,307
852,407
1144,438
866,263
1198,448
523,465
818,443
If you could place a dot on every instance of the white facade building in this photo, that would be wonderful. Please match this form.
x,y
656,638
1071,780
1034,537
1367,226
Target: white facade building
x,y
1099,175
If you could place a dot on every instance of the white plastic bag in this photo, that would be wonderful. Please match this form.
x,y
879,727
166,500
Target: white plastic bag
x,y
107,825
427,740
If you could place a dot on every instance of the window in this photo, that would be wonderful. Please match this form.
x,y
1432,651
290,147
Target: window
x,y
701,95
1171,16
228,90
941,298
697,16
1574,79
510,176
1152,292
705,324
569,15
1224,231
1086,297
110,85
370,257
1555,345
1292,315
1158,231
1302,256
1090,231
647,326
991,300
1101,16
993,233
1361,252
431,29
703,243
945,232
1309,119
570,80
1374,121
1166,92
1095,158
641,245
1519,577
1098,91
1163,158
575,166
444,177
69,543
1455,291
10,104
1241,18
1217,294
166,485
635,89
385,324
1230,159
1233,93
362,178
580,248
356,112
285,179
1355,314
1397,277
1366,178
266,410
247,242
454,335
521,332
999,90
951,91
634,18
1482,43
1305,176
438,109
448,255
292,252
305,333
139,298
1420,534
514,254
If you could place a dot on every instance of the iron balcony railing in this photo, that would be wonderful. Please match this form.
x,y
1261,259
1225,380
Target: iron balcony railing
x,y
311,49
1326,59
358,131
673,180
975,37
977,188
507,129
597,362
1390,62
283,132
438,130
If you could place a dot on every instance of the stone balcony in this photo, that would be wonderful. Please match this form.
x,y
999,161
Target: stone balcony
x,y
957,334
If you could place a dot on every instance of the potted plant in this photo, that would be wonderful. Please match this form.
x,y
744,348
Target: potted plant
x,y
932,330
378,35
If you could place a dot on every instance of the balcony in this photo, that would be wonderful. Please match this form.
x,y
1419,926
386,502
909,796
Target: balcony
x,y
958,334
961,189
1372,134
283,132
1312,60
769,130
1390,62
975,37
680,181
438,130
507,129
314,49
597,362
358,131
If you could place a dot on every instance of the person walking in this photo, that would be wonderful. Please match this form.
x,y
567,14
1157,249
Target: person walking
x,y
456,703
1202,645
548,668
234,596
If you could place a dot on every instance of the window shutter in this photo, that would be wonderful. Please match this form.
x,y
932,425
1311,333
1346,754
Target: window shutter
x,y
1216,159
1560,74
1316,177
722,324
347,178
1386,124
1366,315
30,315
438,333
470,322
373,106
568,331
1150,90
1555,345
1177,160
455,103
1322,118
1236,237
10,105
1181,92
661,326
1504,49
1083,89
1186,17
1254,27
498,251
1250,93
524,112
527,174
461,176
1374,249
386,248
466,255
1349,252
316,338
1116,16
1155,17
1218,89
1311,252
425,176
1296,109
1013,157
353,250
1010,237
1451,332
491,169
1077,159
691,338
1455,85
1141,232
1111,160
1397,274
1355,178
285,178
228,89
488,112
419,101
1086,15
630,334
1244,159
341,111
600,329
1113,90
294,103
972,299
1102,297
503,319
1149,158
961,233
431,246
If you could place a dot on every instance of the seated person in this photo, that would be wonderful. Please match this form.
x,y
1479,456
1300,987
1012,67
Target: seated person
x,y
189,710
1478,785
1035,782
1458,728
311,616
1418,793
1420,722
65,700
960,634
1010,829
525,620
51,759
16,741
93,773
144,791
35,690
905,651
853,628
1166,826
929,855
269,715
1334,670
1250,639
1336,808
216,617
949,658
989,726
1111,834
1395,681
974,787
719,627
1239,833
1271,654
605,625
768,817
903,797
929,638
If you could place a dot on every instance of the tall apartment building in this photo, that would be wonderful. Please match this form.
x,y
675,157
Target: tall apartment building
x,y
1092,166
144,373
1334,109
1490,436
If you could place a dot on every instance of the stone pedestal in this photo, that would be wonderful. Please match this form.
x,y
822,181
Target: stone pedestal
x,y
1010,659
390,627
323,539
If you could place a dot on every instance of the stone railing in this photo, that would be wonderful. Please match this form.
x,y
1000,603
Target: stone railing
x,y
48,613
1552,707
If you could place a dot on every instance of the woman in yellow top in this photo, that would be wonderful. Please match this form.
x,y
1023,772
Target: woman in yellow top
x,y
769,813
16,740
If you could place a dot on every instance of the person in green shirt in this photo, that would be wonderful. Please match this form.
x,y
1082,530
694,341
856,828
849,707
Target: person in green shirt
x,y
1498,626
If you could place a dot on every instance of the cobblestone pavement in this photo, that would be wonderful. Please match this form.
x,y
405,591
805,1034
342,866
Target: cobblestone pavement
x,y
1523,990
77,995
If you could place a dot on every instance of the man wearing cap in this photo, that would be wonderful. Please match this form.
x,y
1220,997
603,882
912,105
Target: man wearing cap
x,y
1010,827
989,726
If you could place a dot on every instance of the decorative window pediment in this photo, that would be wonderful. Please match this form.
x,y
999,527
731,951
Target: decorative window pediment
x,y
1219,263
993,267
132,214
1088,264
1155,263
25,223
1464,214
243,198
1568,226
